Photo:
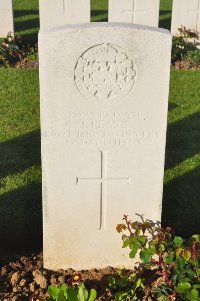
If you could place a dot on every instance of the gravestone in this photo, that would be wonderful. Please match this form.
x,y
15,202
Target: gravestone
x,y
185,13
145,12
6,18
104,99
61,12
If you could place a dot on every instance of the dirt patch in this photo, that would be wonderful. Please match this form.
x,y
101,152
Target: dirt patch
x,y
185,65
25,276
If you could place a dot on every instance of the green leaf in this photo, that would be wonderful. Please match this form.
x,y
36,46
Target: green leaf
x,y
121,296
142,240
126,243
161,248
139,283
122,281
191,273
92,295
134,248
71,294
61,296
145,256
111,282
178,241
152,249
194,295
132,277
54,291
197,286
134,225
196,237
64,289
169,259
82,293
180,263
182,287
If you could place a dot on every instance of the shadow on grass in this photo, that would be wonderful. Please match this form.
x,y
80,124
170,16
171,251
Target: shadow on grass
x,y
101,15
31,38
27,25
30,22
19,153
183,140
181,197
181,205
21,221
21,209
25,12
172,106
165,19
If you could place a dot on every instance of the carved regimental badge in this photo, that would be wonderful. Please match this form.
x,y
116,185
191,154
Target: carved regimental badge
x,y
105,72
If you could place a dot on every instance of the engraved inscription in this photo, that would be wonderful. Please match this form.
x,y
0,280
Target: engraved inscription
x,y
105,129
103,190
105,71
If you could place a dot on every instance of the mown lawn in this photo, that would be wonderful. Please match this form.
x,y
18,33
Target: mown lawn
x,y
181,206
20,167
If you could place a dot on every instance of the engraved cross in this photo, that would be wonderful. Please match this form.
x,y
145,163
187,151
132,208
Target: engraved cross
x,y
196,11
134,11
103,179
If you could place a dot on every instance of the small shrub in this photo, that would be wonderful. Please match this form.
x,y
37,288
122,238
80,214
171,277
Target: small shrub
x,y
71,293
74,290
177,261
184,49
194,57
126,286
14,52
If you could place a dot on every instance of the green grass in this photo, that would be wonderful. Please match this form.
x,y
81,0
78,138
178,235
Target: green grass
x,y
20,171
181,207
27,16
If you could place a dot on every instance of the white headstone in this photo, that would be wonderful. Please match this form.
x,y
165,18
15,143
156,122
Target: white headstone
x,y
104,100
185,13
61,12
6,18
145,12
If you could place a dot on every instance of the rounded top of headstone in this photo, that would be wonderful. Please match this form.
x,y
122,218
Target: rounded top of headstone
x,y
102,25
105,71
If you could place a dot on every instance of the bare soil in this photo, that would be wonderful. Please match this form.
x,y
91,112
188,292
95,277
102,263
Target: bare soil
x,y
185,65
25,276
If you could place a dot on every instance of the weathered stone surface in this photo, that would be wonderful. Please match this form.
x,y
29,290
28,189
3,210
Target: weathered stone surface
x,y
62,12
185,13
145,12
104,99
6,18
